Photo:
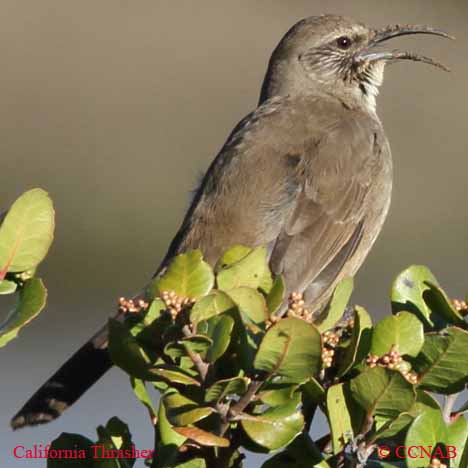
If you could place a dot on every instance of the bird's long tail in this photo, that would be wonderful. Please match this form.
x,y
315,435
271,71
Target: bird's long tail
x,y
68,384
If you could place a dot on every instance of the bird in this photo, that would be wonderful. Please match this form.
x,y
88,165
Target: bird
x,y
307,173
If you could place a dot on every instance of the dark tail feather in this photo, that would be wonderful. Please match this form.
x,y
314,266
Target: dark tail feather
x,y
68,384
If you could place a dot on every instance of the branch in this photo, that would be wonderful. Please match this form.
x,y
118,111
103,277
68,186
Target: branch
x,y
201,366
240,405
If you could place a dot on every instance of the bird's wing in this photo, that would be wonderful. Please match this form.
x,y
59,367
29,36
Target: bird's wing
x,y
295,179
328,219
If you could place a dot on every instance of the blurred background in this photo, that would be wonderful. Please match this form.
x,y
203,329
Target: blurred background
x,y
116,108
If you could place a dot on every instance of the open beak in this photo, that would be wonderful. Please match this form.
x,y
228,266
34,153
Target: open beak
x,y
381,35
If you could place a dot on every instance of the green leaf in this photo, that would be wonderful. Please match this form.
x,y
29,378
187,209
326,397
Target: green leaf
x,y
141,392
126,353
250,303
233,255
276,427
211,305
181,411
314,391
360,342
404,332
438,301
250,270
195,344
201,437
167,434
195,463
277,393
382,393
428,430
219,330
225,388
7,287
276,295
83,447
300,453
187,275
26,232
32,299
339,418
387,429
457,436
408,290
144,328
337,305
291,348
173,374
114,436
441,365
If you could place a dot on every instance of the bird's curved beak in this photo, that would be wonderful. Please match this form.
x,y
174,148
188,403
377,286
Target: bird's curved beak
x,y
370,55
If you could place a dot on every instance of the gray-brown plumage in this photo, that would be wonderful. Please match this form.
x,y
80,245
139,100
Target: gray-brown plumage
x,y
308,173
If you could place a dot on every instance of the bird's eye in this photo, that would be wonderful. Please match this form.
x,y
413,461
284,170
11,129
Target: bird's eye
x,y
344,42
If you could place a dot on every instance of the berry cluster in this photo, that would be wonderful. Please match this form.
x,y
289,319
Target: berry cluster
x,y
461,306
296,307
393,360
330,340
175,303
130,306
436,463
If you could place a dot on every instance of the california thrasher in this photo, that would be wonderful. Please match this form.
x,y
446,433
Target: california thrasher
x,y
308,173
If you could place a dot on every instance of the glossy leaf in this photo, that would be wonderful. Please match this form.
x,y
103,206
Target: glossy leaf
x,y
429,431
195,463
382,393
339,418
403,332
201,437
276,394
337,305
187,275
250,271
300,453
126,353
390,428
457,436
233,255
438,301
225,388
408,290
314,391
173,374
166,432
441,365
360,342
26,232
141,392
181,411
219,330
291,348
250,303
277,294
7,287
211,305
276,427
115,435
32,299
196,344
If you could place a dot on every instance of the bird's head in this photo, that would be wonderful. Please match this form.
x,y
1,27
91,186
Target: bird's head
x,y
337,55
